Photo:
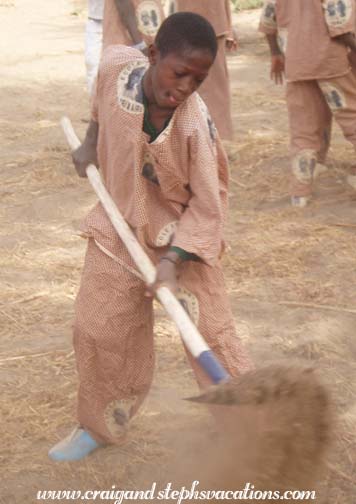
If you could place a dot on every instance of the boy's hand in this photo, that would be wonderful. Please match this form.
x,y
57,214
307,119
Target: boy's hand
x,y
352,59
232,43
277,68
166,276
84,156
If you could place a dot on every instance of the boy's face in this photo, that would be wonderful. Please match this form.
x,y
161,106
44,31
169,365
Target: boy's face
x,y
177,75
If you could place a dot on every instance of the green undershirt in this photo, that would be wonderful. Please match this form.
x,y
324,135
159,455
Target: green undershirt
x,y
148,127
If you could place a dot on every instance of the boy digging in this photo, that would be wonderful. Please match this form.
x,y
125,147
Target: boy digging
x,y
164,166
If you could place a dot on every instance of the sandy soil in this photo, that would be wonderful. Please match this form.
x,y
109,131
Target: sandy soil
x,y
290,273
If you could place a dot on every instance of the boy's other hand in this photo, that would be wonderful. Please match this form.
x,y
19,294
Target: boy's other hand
x,y
277,68
166,276
84,156
352,59
232,43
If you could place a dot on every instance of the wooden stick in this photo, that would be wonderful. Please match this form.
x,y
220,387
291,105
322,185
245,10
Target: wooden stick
x,y
20,357
341,224
240,184
317,306
26,299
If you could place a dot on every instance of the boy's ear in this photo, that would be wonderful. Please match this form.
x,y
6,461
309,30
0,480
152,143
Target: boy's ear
x,y
153,53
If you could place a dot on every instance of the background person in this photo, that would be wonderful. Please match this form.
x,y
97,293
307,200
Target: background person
x,y
312,42
216,89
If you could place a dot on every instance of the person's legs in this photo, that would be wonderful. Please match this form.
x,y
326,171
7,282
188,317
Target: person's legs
x,y
93,47
340,94
113,342
310,128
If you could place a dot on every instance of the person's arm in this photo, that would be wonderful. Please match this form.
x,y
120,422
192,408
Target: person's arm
x,y
268,26
86,153
349,40
200,227
167,271
232,38
277,59
232,42
168,268
127,14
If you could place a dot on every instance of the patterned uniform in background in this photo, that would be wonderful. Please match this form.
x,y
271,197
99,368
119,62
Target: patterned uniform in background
x,y
172,191
149,15
215,90
320,83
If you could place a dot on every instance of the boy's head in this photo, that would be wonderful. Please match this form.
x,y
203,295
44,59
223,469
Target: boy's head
x,y
184,50
185,31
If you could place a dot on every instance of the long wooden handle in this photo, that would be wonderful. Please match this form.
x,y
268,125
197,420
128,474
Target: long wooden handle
x,y
188,331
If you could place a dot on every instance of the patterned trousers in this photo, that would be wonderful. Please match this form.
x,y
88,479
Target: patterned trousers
x,y
311,107
113,337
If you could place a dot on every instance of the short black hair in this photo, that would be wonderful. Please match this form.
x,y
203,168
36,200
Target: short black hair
x,y
185,31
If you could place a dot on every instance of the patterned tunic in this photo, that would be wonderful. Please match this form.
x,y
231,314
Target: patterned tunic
x,y
169,195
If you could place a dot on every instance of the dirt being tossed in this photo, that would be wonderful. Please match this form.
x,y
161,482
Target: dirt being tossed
x,y
277,431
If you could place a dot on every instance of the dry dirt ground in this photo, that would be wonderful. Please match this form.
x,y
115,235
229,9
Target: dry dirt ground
x,y
291,273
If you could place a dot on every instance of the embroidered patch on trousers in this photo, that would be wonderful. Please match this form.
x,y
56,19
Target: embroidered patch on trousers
x,y
334,97
303,166
117,415
190,304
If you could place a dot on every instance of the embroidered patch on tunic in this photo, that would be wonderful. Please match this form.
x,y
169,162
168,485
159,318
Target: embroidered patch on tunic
x,y
129,89
337,12
148,18
303,166
211,125
117,415
190,304
165,235
335,98
268,17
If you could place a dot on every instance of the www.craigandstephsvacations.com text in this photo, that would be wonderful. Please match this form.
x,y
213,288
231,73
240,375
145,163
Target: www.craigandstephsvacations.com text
x,y
119,496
